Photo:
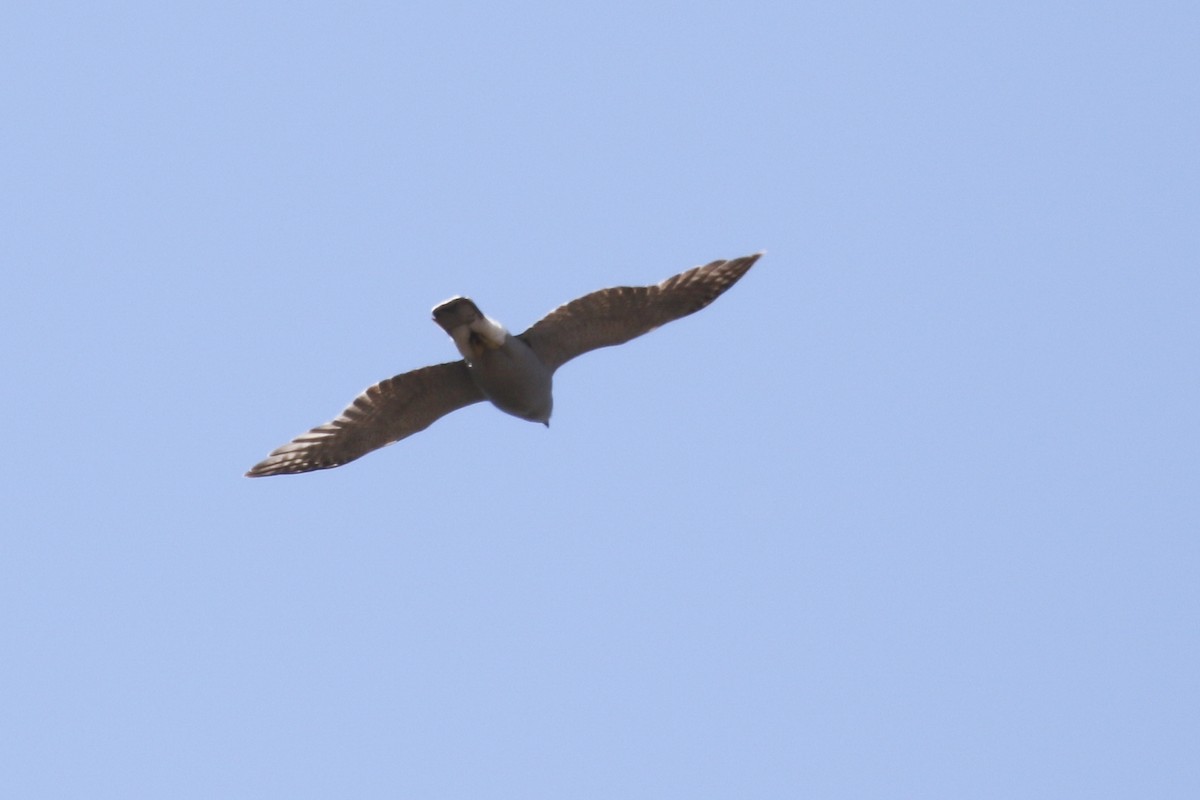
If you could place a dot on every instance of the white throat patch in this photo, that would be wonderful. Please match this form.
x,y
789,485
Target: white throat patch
x,y
491,333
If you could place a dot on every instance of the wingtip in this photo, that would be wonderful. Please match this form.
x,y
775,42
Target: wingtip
x,y
747,260
744,263
260,470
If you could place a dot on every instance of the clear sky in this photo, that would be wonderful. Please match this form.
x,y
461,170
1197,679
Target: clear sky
x,y
911,511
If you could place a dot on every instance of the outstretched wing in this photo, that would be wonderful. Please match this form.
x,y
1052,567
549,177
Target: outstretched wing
x,y
385,413
616,315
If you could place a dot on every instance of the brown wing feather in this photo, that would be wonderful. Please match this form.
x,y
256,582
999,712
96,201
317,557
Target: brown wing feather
x,y
385,413
616,315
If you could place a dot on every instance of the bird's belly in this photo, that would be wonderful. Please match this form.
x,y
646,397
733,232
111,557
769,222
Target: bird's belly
x,y
515,381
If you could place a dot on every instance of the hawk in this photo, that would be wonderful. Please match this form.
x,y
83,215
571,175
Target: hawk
x,y
513,372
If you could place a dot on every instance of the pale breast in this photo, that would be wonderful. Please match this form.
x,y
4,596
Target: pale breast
x,y
515,380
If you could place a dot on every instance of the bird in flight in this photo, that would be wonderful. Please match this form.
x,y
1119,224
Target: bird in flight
x,y
513,372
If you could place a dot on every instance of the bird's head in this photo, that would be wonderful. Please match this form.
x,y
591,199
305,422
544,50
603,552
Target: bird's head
x,y
456,312
471,331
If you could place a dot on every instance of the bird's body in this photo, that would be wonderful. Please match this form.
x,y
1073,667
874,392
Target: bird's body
x,y
516,382
503,366
515,373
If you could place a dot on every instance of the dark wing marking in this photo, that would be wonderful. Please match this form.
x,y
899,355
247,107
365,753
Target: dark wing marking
x,y
616,315
385,413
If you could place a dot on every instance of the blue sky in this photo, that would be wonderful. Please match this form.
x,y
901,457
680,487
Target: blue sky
x,y
910,512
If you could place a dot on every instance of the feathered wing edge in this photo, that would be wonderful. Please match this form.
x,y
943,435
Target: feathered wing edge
x,y
384,413
613,316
